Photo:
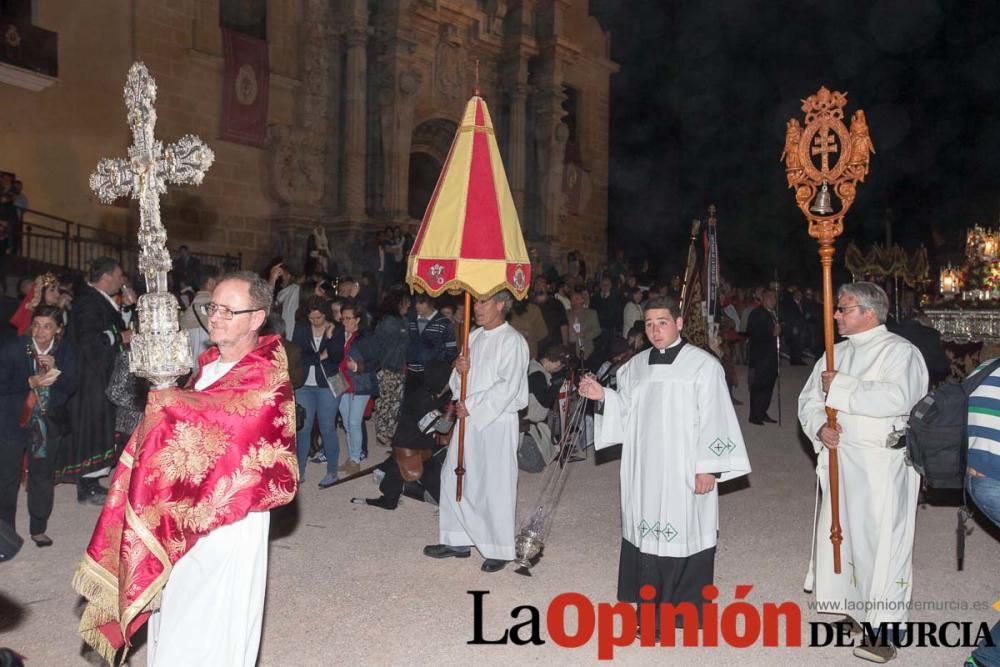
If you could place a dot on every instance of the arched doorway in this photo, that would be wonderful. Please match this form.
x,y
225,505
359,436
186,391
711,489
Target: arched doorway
x,y
424,172
429,147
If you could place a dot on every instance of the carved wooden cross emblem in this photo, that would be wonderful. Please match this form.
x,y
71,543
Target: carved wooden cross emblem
x,y
824,144
147,171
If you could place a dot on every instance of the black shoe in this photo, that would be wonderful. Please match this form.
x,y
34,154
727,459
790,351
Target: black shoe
x,y
493,565
42,540
756,422
444,551
90,493
767,419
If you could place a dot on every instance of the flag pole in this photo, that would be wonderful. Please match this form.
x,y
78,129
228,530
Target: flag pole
x,y
460,467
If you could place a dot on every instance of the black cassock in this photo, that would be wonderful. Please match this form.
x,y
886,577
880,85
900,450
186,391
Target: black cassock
x,y
762,357
95,328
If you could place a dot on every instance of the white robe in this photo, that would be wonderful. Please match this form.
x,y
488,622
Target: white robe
x,y
497,389
880,376
674,420
212,608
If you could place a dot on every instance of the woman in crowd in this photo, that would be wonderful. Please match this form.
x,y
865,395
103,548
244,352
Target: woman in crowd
x,y
633,309
322,345
392,338
44,290
358,366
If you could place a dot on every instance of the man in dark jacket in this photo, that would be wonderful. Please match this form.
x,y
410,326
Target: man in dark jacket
x,y
98,332
37,376
432,336
762,356
609,306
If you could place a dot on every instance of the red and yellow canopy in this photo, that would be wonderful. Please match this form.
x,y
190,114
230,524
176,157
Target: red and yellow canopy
x,y
470,238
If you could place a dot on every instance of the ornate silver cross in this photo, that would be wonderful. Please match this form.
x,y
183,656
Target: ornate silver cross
x,y
159,349
147,171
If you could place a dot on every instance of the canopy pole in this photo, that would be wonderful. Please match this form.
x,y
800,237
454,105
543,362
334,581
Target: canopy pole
x,y
460,468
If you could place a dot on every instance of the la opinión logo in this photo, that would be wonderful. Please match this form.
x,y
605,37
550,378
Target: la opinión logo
x,y
738,624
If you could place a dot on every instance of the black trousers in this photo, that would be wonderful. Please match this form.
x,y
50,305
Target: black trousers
x,y
761,388
41,484
676,580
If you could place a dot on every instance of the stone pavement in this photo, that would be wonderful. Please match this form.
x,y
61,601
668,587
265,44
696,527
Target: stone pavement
x,y
348,583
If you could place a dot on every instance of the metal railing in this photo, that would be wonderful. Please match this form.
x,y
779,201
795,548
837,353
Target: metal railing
x,y
48,241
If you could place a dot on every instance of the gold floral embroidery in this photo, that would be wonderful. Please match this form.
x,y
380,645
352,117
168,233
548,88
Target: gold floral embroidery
x,y
133,554
191,452
153,513
286,420
206,515
112,545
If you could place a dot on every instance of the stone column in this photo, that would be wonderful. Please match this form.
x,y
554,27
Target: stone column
x,y
355,134
550,139
516,141
397,121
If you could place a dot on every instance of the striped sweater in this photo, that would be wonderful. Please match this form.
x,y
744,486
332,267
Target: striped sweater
x,y
984,427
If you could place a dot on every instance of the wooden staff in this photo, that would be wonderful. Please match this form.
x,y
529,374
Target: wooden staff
x,y
826,137
826,251
460,467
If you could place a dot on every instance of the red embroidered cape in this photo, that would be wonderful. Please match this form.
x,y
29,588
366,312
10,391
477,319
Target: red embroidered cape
x,y
199,460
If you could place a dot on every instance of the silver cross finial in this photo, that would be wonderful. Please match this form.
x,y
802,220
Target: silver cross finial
x,y
147,171
159,349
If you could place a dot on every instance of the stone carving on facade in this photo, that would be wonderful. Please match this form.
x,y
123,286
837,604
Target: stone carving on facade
x,y
296,165
551,136
297,152
449,64
495,11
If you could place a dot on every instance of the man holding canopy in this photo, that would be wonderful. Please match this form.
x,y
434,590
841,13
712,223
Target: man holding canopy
x,y
497,388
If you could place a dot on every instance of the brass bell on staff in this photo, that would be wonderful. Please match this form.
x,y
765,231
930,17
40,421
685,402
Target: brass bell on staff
x,y
821,205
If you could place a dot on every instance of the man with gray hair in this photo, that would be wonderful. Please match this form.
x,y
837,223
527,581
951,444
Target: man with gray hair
x,y
879,378
497,388
240,412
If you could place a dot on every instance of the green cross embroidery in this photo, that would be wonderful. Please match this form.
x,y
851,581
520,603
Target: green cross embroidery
x,y
718,447
854,578
902,584
667,532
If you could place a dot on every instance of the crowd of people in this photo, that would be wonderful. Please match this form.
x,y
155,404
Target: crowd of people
x,y
367,348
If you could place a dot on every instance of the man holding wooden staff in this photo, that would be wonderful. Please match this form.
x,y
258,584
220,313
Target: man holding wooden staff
x,y
497,364
879,378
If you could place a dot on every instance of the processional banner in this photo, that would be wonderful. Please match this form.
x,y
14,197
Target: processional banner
x,y
245,89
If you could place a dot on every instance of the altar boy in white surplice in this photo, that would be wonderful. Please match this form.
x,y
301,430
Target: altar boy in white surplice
x,y
680,435
879,378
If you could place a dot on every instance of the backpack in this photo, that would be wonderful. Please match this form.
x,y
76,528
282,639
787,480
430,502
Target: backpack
x,y
936,439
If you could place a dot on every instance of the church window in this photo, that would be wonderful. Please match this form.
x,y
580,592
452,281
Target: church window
x,y
16,10
244,16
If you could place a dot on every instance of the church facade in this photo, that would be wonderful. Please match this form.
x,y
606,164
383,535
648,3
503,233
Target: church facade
x,y
332,113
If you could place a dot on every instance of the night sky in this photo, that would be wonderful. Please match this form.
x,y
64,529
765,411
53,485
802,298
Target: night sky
x,y
705,89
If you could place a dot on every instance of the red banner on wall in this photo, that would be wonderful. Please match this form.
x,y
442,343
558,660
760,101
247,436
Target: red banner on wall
x,y
245,88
